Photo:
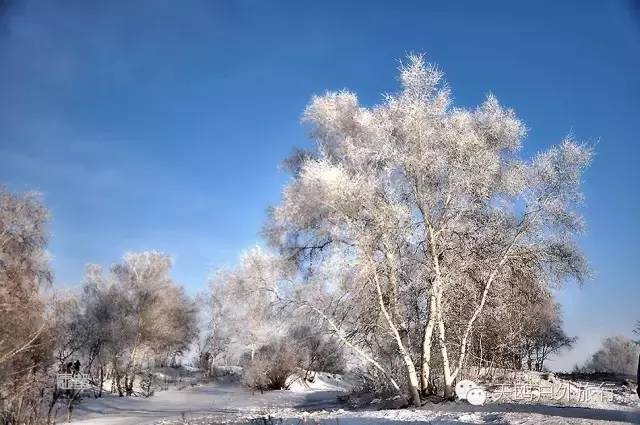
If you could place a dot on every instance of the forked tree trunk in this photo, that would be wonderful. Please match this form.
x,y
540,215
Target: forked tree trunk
x,y
437,292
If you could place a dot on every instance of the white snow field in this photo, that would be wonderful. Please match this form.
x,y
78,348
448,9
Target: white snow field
x,y
232,403
219,400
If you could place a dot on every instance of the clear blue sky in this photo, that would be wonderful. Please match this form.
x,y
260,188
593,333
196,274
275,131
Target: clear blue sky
x,y
161,124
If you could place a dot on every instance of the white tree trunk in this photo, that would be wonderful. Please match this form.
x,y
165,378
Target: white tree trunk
x,y
406,357
448,376
427,343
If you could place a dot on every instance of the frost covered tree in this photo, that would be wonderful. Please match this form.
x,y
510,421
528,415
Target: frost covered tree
x,y
25,338
241,304
434,209
252,322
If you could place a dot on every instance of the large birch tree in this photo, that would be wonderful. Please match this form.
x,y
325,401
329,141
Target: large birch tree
x,y
435,208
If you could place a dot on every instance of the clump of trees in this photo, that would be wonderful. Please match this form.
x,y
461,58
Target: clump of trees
x,y
521,328
132,318
121,325
618,355
117,326
249,323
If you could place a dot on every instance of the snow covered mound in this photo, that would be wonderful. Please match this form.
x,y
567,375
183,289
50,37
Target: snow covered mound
x,y
319,381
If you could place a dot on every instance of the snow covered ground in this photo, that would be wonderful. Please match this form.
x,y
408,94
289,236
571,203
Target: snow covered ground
x,y
316,403
494,415
221,400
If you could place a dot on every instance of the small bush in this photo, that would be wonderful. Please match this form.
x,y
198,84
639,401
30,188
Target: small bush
x,y
370,381
318,351
272,366
255,374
